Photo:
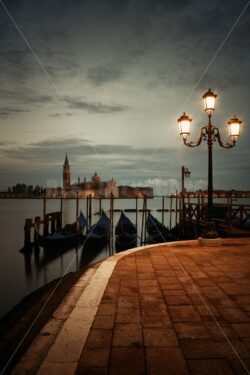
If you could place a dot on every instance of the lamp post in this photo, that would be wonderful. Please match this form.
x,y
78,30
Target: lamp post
x,y
184,173
210,134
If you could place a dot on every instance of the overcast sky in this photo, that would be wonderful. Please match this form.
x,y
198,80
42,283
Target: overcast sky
x,y
106,80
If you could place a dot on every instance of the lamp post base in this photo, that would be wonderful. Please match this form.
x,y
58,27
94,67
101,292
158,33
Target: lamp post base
x,y
210,231
209,235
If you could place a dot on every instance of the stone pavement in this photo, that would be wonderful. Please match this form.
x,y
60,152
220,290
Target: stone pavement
x,y
175,308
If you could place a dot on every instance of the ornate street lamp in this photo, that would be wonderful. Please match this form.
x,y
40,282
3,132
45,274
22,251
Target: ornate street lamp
x,y
210,134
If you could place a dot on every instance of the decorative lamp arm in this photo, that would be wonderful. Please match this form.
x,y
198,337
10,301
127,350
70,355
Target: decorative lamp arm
x,y
202,136
216,135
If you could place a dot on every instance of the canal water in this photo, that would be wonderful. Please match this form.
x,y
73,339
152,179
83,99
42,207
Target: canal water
x,y
20,275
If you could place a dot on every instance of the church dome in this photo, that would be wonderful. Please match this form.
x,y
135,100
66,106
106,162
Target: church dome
x,y
96,178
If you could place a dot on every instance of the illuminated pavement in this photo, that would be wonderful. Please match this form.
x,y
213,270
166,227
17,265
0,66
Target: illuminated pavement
x,y
168,309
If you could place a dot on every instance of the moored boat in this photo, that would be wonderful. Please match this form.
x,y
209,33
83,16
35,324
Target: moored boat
x,y
68,236
99,232
157,232
125,233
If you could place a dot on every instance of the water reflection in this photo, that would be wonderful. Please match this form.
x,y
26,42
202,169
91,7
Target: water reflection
x,y
39,260
42,259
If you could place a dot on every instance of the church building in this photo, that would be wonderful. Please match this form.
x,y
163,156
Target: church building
x,y
66,174
96,187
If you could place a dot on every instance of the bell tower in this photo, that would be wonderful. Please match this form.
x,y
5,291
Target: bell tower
x,y
66,173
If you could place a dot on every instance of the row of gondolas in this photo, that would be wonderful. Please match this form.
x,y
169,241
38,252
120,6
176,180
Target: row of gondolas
x,y
125,233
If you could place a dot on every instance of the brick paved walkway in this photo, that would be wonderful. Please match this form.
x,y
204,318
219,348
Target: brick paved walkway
x,y
157,313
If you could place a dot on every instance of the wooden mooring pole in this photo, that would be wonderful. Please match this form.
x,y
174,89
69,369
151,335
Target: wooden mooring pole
x,y
87,211
111,217
163,204
136,217
27,233
36,230
77,206
90,210
171,205
44,202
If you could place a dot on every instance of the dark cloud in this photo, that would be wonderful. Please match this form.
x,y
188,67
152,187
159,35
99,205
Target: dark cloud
x,y
68,102
65,114
6,112
102,74
93,107
7,143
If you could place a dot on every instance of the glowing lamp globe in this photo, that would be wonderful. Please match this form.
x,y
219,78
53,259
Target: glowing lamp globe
x,y
209,101
184,125
234,128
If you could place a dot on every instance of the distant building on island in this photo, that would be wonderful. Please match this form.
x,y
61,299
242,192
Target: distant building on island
x,y
135,192
98,188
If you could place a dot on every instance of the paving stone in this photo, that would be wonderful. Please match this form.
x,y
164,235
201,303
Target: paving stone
x,y
129,283
128,316
162,361
90,371
234,315
107,309
156,321
54,369
168,280
127,361
192,330
94,357
150,290
175,286
128,335
243,329
128,302
146,276
177,300
148,283
152,298
183,314
154,308
223,302
209,312
234,289
211,366
242,300
219,330
240,367
204,282
104,322
213,292
128,291
99,338
109,298
160,337
174,292
211,349
112,287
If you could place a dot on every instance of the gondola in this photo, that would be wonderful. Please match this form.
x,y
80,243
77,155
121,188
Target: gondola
x,y
99,232
66,237
125,233
157,232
